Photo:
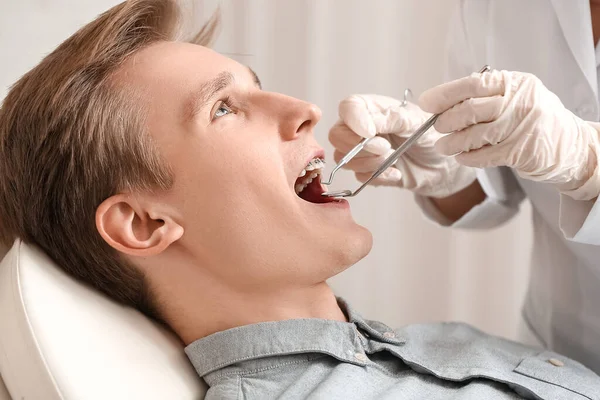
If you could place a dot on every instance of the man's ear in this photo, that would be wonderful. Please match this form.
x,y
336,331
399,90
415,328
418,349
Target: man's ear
x,y
134,228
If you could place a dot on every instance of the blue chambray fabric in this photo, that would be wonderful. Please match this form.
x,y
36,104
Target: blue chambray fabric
x,y
362,359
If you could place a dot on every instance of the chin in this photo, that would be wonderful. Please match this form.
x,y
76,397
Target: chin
x,y
354,245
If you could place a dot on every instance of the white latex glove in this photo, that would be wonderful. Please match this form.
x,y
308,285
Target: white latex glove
x,y
503,118
421,169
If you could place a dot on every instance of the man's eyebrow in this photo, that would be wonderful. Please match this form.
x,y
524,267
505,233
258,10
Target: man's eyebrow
x,y
199,98
256,80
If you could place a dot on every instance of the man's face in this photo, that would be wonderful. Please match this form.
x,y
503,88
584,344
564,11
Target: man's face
x,y
236,152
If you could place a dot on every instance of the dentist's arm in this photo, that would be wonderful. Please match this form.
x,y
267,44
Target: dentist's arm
x,y
505,118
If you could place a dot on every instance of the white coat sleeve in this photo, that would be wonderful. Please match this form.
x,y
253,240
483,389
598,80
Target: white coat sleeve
x,y
503,193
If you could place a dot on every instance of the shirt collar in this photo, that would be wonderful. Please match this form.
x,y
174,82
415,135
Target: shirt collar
x,y
266,339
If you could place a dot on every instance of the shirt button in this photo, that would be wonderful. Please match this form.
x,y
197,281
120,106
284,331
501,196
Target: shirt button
x,y
556,362
389,335
360,357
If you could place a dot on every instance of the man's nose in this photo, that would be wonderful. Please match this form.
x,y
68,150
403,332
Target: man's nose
x,y
295,117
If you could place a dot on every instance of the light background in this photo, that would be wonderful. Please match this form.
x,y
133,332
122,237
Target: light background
x,y
322,51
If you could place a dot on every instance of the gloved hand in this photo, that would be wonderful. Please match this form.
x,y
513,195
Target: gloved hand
x,y
421,169
503,118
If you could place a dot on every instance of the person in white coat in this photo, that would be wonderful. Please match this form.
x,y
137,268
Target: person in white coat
x,y
505,136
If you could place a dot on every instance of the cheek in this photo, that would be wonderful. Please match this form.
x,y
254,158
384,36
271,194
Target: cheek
x,y
231,180
217,164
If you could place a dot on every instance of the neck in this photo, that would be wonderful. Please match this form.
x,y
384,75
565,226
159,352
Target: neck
x,y
595,12
198,306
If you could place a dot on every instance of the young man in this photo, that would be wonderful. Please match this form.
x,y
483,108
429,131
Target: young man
x,y
160,173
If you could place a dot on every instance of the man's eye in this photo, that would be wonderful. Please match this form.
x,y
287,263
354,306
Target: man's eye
x,y
222,110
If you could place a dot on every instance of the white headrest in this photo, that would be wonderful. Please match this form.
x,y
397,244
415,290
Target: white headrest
x,y
60,339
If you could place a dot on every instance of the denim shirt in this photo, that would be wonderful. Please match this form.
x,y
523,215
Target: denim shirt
x,y
362,359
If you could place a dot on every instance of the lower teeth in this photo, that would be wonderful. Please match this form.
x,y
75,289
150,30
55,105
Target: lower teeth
x,y
307,181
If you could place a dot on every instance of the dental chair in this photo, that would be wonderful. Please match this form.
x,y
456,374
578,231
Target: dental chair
x,y
60,339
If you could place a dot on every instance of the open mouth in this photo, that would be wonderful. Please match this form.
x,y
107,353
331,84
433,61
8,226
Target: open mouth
x,y
308,185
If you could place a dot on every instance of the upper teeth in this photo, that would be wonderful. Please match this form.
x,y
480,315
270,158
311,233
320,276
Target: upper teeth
x,y
310,172
315,163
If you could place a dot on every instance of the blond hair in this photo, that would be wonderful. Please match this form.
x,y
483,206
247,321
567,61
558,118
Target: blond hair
x,y
70,137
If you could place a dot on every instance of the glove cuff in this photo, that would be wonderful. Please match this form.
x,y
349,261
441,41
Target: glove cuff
x,y
590,189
